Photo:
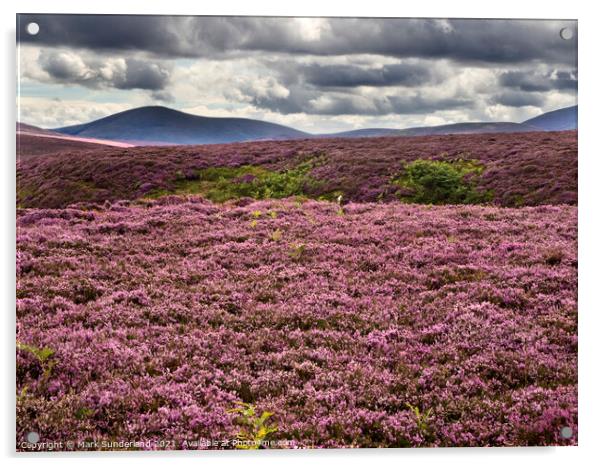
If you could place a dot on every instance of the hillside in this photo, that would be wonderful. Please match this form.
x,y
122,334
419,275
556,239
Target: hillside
x,y
469,128
456,128
33,141
162,125
517,168
557,120
31,145
363,133
35,130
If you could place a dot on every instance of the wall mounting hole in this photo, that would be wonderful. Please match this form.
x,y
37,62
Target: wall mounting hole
x,y
33,29
566,33
566,432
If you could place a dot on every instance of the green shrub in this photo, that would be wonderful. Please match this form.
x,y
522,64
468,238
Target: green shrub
x,y
422,418
297,251
441,182
220,184
44,357
254,429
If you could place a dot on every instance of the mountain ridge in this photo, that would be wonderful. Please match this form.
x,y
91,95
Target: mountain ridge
x,y
159,125
556,120
162,124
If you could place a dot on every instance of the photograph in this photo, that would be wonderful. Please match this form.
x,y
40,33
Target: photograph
x,y
281,232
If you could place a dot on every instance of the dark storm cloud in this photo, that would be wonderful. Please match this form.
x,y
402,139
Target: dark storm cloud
x,y
565,80
353,76
518,99
101,32
539,82
330,66
486,41
420,105
143,75
129,73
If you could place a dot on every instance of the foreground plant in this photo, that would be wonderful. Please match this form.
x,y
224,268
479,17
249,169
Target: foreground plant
x,y
43,356
297,251
255,428
422,418
339,200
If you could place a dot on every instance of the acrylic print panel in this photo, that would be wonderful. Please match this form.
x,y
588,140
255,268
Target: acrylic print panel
x,y
259,232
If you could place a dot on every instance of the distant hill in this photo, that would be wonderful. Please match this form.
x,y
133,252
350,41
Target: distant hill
x,y
456,128
557,120
33,141
162,125
32,145
469,128
30,129
364,133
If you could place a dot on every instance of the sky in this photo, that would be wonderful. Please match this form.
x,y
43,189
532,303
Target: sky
x,y
314,74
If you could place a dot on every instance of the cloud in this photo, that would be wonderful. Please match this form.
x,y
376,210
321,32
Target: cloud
x,y
316,101
163,96
385,105
313,73
352,76
143,75
518,99
55,113
486,41
530,81
66,66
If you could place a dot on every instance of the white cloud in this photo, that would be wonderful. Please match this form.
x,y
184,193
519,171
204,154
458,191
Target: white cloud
x,y
53,113
266,87
311,29
82,68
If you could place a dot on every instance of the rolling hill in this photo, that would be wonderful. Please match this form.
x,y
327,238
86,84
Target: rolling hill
x,y
557,120
35,130
164,126
456,128
518,169
31,145
364,133
33,141
469,128
157,125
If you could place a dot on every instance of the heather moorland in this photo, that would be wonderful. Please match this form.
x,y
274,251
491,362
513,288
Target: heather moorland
x,y
378,292
517,169
367,325
341,233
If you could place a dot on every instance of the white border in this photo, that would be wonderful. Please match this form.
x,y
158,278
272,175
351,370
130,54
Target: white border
x,y
590,257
